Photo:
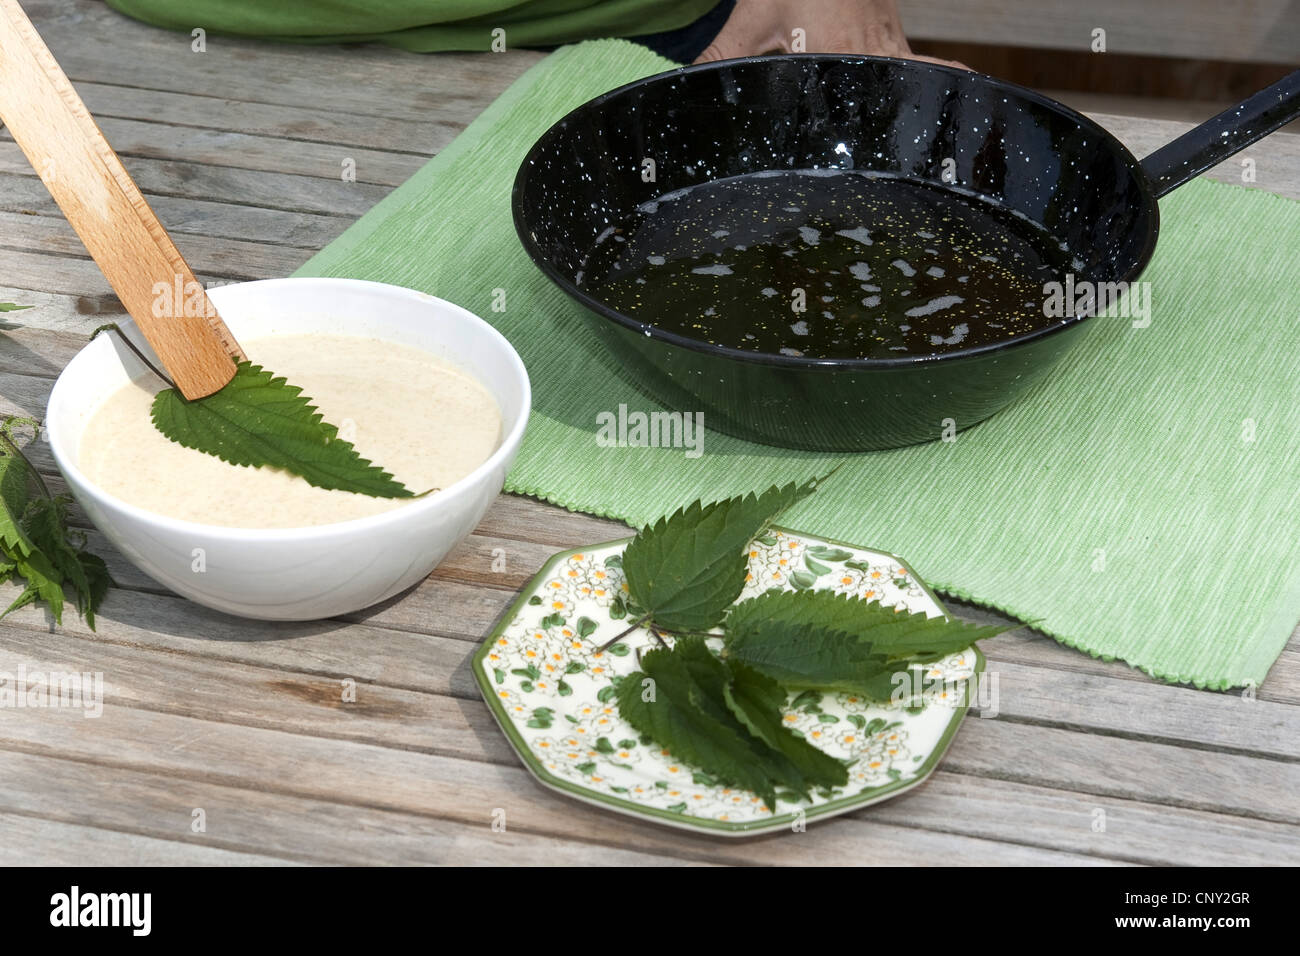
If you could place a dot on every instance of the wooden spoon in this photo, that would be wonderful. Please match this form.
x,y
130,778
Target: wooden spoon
x,y
56,132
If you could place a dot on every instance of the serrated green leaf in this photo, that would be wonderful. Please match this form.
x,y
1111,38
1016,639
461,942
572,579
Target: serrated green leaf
x,y
679,722
756,701
46,522
36,541
686,569
725,722
805,656
896,635
258,419
42,584
14,472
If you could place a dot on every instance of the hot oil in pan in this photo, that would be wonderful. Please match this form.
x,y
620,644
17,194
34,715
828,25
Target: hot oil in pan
x,y
883,266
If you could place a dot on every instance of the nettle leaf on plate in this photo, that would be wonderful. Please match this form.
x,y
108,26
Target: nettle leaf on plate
x,y
258,419
724,723
756,700
802,656
828,641
894,633
685,570
664,702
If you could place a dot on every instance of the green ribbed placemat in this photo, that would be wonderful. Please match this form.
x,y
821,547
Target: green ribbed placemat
x,y
1141,504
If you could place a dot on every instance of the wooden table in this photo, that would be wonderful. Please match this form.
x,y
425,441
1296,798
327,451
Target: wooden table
x,y
240,150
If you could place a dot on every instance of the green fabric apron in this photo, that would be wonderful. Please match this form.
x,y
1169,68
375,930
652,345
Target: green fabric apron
x,y
422,26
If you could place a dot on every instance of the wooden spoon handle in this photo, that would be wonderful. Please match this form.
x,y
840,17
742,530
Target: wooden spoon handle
x,y
55,130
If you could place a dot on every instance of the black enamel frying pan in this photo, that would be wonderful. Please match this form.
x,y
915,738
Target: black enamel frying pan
x,y
995,141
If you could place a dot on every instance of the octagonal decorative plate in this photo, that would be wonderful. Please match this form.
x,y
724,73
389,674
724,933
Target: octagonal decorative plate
x,y
552,692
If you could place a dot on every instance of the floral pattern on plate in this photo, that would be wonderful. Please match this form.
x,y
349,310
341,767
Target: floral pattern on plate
x,y
551,689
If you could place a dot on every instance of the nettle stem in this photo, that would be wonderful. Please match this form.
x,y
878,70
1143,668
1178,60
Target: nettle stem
x,y
112,327
656,631
623,633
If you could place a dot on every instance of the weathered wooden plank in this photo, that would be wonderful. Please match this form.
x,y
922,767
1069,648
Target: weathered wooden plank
x,y
289,192
294,827
422,137
1129,769
465,597
33,841
196,757
1204,779
1276,158
548,524
204,687
1222,722
290,826
1256,31
1032,649
326,649
372,79
29,351
1043,817
27,395
61,275
227,220
233,147
1138,832
49,311
1040,680
227,258
37,840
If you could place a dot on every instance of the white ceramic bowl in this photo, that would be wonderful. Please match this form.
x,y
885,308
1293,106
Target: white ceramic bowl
x,y
295,574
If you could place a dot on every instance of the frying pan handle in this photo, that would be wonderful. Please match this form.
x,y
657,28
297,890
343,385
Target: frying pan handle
x,y
1225,135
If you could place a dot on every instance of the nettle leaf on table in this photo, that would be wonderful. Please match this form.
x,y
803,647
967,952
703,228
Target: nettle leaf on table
x,y
46,522
38,548
685,570
258,419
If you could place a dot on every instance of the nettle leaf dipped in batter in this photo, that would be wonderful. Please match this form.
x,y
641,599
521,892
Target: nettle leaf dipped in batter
x,y
259,419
